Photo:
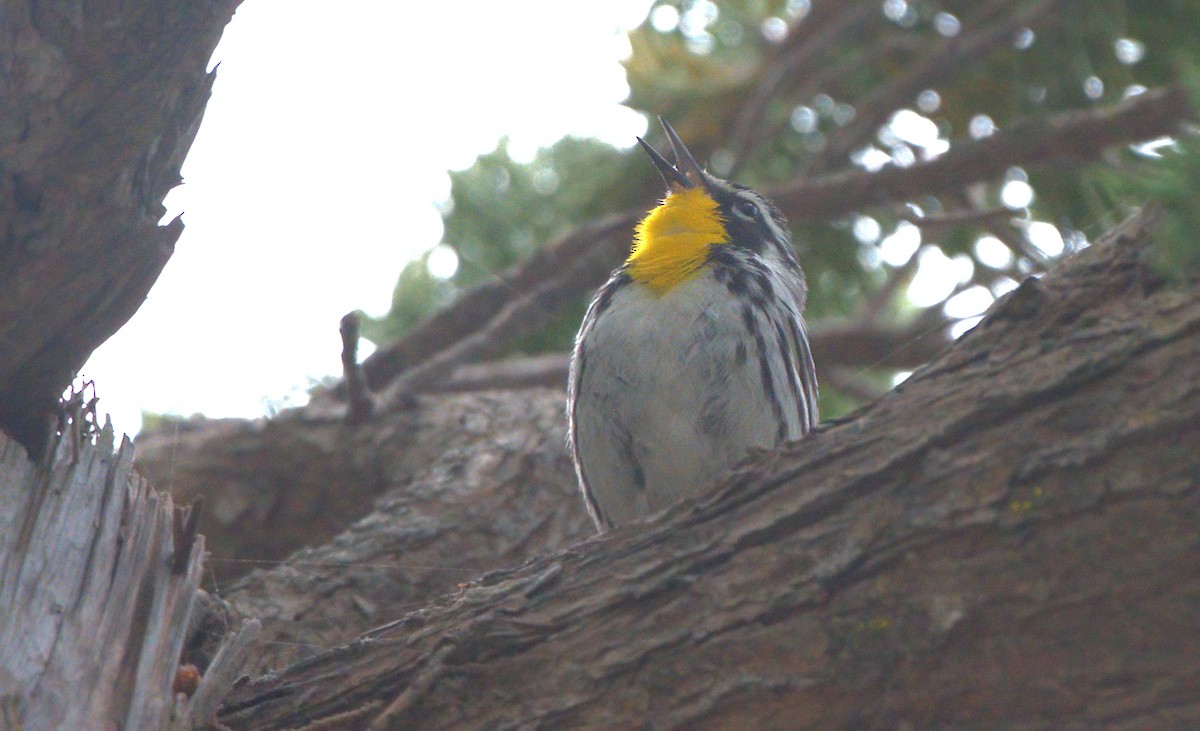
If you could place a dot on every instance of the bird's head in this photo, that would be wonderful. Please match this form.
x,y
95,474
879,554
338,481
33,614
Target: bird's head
x,y
672,243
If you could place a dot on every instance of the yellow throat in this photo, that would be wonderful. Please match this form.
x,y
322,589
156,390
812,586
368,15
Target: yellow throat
x,y
671,243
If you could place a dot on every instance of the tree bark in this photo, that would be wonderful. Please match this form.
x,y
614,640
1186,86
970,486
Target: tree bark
x,y
99,103
474,483
97,579
1005,540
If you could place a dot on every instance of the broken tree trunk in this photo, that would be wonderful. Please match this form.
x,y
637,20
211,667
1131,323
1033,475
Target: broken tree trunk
x,y
99,103
98,574
1008,539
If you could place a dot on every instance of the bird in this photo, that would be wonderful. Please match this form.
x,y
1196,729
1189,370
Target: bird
x,y
695,350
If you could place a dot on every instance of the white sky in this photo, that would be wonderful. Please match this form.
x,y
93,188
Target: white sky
x,y
313,178
323,152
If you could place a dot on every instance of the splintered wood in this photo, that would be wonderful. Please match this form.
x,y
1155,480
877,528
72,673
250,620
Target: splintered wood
x,y
92,617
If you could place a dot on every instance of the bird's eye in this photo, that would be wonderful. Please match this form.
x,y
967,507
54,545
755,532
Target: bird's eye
x,y
746,210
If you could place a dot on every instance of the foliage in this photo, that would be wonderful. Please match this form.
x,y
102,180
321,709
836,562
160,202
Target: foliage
x,y
501,211
702,71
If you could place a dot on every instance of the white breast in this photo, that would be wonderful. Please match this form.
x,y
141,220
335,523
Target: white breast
x,y
671,394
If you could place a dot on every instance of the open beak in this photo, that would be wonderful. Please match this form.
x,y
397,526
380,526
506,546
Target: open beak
x,y
685,173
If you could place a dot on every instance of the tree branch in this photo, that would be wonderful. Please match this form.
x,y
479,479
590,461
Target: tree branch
x,y
990,527
607,236
834,344
1081,134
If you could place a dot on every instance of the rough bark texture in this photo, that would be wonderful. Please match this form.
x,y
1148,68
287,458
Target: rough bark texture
x,y
96,602
1008,539
489,468
475,482
99,103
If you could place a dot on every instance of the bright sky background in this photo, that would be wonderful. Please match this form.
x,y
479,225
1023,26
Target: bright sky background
x,y
324,151
315,173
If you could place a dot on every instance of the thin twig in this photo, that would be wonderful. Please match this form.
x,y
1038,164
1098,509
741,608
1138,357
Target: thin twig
x,y
984,217
521,316
360,404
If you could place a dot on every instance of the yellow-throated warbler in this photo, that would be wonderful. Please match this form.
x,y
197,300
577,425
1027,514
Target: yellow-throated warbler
x,y
693,352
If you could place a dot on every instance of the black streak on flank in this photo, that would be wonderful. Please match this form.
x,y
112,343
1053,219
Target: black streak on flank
x,y
639,475
763,280
790,371
764,366
714,417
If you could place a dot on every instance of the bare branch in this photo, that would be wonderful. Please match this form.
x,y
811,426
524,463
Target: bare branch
x,y
608,235
937,222
548,370
520,316
861,343
1080,134
361,405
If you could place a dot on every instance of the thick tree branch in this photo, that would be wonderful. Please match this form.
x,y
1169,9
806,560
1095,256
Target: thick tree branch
x,y
990,528
465,484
